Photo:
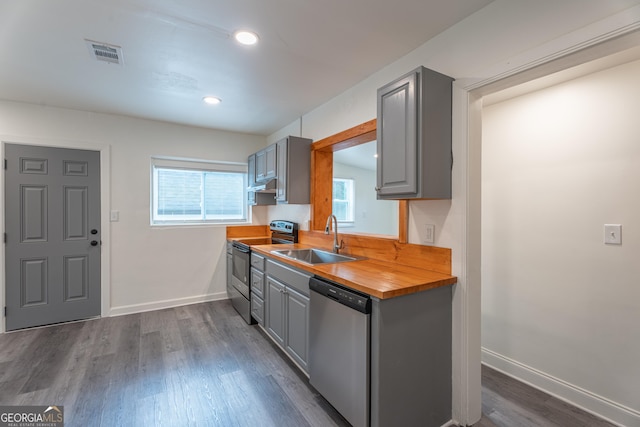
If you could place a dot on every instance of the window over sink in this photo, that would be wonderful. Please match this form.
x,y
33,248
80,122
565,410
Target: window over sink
x,y
187,192
343,200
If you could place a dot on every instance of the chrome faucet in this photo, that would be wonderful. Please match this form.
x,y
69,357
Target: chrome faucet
x,y
336,246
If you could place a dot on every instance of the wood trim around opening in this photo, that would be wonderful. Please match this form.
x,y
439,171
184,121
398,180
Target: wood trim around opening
x,y
322,166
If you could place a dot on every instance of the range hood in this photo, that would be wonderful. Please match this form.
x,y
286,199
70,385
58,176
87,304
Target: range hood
x,y
264,186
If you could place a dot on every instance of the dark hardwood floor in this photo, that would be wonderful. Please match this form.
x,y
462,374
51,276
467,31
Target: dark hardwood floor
x,y
510,403
201,365
197,365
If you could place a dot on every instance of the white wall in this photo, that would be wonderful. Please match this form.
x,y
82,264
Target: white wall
x,y
150,266
500,40
371,215
297,213
557,165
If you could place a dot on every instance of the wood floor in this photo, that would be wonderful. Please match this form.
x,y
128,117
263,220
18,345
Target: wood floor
x,y
201,365
510,403
198,365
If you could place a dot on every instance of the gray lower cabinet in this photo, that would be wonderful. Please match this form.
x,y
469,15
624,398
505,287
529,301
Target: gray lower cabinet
x,y
257,288
410,345
414,137
287,310
257,295
297,326
275,310
257,309
411,359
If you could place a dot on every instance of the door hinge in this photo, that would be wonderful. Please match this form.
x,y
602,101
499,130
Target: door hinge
x,y
5,164
5,237
5,311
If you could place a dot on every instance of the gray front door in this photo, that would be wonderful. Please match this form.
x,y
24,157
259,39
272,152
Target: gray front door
x,y
52,226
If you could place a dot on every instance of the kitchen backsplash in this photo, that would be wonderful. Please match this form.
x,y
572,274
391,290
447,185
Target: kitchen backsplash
x,y
296,213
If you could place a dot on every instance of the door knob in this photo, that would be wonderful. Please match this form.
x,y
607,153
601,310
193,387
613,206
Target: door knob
x,y
94,243
94,231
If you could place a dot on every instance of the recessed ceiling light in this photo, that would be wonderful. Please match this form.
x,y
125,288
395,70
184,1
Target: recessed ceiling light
x,y
246,37
212,100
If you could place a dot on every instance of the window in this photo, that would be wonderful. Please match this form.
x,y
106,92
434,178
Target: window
x,y
196,192
343,202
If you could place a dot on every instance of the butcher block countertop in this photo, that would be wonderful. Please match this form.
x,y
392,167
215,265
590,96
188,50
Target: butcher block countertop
x,y
378,278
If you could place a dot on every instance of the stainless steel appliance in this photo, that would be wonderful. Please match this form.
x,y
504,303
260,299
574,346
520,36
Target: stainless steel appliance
x,y
339,348
230,289
282,232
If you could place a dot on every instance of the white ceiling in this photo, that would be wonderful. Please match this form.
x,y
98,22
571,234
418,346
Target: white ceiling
x,y
176,52
360,156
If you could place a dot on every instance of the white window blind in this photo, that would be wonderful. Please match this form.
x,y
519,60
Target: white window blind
x,y
185,191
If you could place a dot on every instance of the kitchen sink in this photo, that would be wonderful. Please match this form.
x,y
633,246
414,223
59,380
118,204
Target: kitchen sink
x,y
314,256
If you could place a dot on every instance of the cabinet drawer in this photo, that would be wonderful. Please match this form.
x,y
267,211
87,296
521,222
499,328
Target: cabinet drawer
x,y
293,278
257,261
257,282
257,309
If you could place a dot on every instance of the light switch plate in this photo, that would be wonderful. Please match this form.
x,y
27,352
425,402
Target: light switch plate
x,y
430,233
613,234
115,216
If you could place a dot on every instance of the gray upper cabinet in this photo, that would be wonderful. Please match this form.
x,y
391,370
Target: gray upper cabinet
x,y
288,160
251,179
294,170
266,163
251,170
414,137
254,198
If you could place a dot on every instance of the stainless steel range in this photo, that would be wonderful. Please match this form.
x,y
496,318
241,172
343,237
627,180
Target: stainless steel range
x,y
282,232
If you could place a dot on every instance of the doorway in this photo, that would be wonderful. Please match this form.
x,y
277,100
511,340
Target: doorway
x,y
556,184
52,233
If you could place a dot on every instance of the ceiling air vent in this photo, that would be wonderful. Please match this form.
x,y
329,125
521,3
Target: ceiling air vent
x,y
105,52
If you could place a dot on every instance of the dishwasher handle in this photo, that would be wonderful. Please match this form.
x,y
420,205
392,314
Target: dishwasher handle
x,y
345,296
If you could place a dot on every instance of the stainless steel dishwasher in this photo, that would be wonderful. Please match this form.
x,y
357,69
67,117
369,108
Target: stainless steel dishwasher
x,y
339,344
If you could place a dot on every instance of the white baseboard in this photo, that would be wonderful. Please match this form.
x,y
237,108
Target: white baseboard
x,y
159,305
597,405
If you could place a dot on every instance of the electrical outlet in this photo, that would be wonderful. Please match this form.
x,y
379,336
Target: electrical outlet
x,y
430,233
613,234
